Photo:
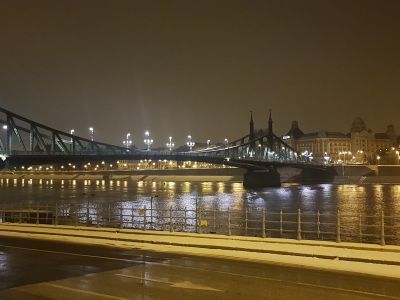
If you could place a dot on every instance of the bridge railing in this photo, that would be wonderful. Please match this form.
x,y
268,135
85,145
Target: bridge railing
x,y
143,154
313,225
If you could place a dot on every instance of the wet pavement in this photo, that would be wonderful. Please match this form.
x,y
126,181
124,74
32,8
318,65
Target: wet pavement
x,y
35,269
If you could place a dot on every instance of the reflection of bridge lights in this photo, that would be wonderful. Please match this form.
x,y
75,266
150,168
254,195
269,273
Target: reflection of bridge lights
x,y
170,144
190,143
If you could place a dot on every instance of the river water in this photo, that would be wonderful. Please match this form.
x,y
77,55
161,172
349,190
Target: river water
x,y
357,203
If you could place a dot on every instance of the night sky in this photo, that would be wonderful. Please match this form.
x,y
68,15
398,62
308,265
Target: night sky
x,y
198,67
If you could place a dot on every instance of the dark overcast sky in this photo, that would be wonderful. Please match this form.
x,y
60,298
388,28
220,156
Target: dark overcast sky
x,y
179,67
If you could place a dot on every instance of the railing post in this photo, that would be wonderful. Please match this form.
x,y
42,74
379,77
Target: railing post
x,y
151,213
214,219
56,217
338,226
121,218
360,226
382,228
47,214
97,216
87,214
263,223
246,221
229,221
281,222
132,217
299,224
77,216
109,215
185,226
199,220
170,219
196,225
144,218
318,223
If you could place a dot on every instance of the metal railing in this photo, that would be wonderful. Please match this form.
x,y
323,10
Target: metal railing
x,y
378,228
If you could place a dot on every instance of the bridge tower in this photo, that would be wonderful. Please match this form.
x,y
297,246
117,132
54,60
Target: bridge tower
x,y
270,122
251,133
252,136
262,178
270,134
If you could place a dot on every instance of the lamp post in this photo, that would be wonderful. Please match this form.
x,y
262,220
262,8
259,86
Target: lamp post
x,y
147,140
190,143
226,142
127,142
72,132
208,143
5,127
170,144
91,133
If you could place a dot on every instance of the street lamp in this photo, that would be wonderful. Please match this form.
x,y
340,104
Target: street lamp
x,y
226,142
147,140
190,143
208,143
170,144
91,133
72,132
127,142
5,127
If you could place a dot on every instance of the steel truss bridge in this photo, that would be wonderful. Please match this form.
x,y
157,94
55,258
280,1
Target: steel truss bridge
x,y
24,142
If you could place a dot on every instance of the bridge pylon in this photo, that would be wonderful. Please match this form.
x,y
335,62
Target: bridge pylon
x,y
262,178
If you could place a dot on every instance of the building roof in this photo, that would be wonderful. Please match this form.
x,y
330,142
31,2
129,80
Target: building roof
x,y
381,136
294,131
324,134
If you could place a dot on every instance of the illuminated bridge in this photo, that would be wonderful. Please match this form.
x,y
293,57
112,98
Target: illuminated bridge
x,y
25,142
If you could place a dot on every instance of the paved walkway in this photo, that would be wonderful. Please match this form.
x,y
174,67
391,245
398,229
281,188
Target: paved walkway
x,y
368,259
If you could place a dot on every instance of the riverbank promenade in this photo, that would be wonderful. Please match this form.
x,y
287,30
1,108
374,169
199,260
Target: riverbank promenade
x,y
348,258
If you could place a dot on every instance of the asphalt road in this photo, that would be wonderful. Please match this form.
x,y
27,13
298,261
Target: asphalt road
x,y
33,269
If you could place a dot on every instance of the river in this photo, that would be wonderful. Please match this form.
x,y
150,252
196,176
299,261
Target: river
x,y
366,201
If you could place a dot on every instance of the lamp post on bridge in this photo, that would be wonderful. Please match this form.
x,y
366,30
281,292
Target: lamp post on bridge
x,y
226,143
72,132
91,133
5,128
127,142
170,144
208,143
147,140
190,143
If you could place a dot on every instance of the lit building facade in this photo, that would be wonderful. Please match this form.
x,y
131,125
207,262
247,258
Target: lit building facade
x,y
360,145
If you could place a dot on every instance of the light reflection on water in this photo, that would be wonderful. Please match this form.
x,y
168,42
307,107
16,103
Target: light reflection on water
x,y
368,199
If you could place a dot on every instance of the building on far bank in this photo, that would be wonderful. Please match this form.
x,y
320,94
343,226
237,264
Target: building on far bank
x,y
360,145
